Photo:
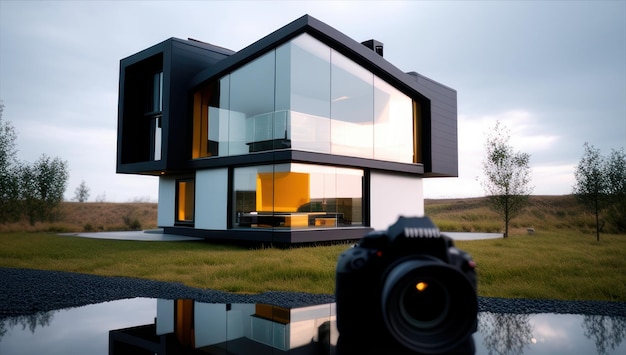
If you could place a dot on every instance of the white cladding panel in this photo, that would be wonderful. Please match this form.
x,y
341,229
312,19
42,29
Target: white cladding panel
x,y
211,199
167,201
394,195
165,317
209,322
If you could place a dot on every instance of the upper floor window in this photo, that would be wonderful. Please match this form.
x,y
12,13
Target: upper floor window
x,y
154,113
143,111
304,95
154,93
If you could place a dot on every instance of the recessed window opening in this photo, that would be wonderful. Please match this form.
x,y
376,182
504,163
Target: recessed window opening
x,y
185,201
154,110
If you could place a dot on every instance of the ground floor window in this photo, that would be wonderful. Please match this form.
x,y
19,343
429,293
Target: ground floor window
x,y
185,200
293,195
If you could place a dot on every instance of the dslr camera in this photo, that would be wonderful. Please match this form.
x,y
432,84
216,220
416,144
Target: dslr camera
x,y
406,290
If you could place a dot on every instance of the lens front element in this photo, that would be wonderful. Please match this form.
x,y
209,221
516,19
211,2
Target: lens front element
x,y
425,305
428,306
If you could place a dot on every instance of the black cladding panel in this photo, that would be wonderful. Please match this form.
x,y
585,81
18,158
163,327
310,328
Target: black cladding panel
x,y
441,154
186,61
179,60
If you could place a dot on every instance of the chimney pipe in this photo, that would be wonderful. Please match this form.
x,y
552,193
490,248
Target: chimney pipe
x,y
374,45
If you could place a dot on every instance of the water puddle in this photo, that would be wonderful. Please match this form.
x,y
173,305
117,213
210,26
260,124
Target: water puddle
x,y
156,326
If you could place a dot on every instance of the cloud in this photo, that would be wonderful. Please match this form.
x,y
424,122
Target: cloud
x,y
526,136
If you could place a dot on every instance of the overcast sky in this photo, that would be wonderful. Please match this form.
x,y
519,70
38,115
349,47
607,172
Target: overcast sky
x,y
553,72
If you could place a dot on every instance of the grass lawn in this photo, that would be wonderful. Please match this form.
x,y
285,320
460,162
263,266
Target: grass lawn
x,y
551,265
548,265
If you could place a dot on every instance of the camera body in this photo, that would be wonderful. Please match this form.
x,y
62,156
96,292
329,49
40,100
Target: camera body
x,y
406,290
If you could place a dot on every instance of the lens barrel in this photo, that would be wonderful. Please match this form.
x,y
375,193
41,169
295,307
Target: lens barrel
x,y
428,306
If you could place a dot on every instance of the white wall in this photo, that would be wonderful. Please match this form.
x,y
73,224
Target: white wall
x,y
167,201
211,199
394,195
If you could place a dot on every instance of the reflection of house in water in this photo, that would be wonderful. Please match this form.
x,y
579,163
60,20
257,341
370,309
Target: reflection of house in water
x,y
190,327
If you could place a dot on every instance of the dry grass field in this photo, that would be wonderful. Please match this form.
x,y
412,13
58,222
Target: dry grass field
x,y
93,217
458,215
543,213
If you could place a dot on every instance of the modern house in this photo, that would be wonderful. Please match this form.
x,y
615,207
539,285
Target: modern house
x,y
305,135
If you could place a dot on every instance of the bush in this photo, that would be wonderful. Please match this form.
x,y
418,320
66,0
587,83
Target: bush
x,y
132,223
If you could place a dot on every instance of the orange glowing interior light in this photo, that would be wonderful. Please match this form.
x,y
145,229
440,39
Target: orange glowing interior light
x,y
421,286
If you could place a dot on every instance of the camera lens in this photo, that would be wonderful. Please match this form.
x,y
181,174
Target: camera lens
x,y
424,303
428,306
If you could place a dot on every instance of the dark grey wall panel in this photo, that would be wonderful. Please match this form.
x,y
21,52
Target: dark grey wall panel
x,y
181,60
187,60
442,157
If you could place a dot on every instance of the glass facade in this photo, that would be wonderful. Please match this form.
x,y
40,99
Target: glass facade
x,y
306,96
351,108
297,196
393,132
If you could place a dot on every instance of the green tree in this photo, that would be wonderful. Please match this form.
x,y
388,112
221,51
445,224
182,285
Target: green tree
x,y
507,176
591,184
9,167
42,187
81,193
615,174
35,190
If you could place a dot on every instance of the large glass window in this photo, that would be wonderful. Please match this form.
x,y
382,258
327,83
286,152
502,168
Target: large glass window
x,y
351,110
309,93
252,106
297,196
304,95
393,123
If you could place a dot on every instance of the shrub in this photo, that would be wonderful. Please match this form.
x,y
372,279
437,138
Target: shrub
x,y
132,222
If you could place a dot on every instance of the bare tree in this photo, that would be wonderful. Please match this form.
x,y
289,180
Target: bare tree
x,y
591,185
81,194
507,176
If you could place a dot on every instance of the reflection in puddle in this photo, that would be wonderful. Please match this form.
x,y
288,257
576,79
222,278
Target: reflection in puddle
x,y
230,328
174,326
505,333
82,330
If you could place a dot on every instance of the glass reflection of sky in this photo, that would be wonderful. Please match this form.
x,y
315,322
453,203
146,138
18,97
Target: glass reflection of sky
x,y
85,330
